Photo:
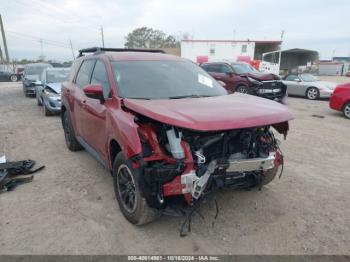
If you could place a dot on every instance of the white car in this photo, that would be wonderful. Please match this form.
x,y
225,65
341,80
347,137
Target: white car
x,y
308,86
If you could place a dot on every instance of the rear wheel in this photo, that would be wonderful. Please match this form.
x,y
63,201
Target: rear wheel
x,y
127,190
346,110
312,93
242,89
69,134
13,78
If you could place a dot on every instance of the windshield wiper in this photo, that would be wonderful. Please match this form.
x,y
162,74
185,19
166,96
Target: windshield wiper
x,y
188,96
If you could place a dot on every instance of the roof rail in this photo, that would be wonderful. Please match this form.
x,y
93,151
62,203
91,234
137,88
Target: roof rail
x,y
103,49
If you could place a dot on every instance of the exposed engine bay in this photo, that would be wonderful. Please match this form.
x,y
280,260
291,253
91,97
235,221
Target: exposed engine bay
x,y
180,166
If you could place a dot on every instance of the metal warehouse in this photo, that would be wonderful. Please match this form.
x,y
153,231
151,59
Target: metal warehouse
x,y
210,50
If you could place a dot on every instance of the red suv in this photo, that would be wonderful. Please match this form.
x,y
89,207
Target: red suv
x,y
243,78
167,131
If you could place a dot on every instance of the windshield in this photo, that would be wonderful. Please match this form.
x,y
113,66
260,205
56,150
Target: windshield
x,y
34,70
308,78
164,79
243,68
56,76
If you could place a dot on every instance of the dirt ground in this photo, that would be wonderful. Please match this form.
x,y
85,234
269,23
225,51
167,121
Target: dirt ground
x,y
70,206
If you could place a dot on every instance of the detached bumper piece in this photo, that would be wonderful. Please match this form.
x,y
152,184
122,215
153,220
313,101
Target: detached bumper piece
x,y
13,174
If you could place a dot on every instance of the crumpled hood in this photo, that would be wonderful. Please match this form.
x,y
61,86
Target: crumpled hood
x,y
55,86
213,113
262,76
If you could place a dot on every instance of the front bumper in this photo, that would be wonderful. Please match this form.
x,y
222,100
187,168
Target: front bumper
x,y
326,93
273,90
52,104
29,90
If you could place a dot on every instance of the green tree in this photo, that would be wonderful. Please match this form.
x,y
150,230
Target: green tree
x,y
145,37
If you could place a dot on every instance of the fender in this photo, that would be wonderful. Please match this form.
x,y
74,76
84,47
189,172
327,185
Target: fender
x,y
125,132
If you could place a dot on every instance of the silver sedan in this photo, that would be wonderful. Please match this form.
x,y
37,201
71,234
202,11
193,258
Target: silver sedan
x,y
308,86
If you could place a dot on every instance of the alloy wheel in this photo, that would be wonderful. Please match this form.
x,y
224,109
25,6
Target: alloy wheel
x,y
347,110
312,93
13,78
126,187
242,90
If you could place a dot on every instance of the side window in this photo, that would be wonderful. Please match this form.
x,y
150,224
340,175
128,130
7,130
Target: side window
x,y
292,78
83,77
225,69
99,76
214,68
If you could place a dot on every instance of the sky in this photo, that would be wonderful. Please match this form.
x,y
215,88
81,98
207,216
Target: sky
x,y
37,26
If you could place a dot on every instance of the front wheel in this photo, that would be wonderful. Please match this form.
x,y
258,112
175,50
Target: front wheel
x,y
312,93
38,101
46,111
346,110
127,191
13,78
242,89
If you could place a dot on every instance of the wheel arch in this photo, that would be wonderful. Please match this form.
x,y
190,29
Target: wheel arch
x,y
113,149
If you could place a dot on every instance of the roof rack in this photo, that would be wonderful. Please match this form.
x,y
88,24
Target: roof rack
x,y
103,49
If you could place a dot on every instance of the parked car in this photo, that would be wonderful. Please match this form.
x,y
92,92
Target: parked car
x,y
48,94
347,74
32,77
8,76
308,86
167,131
243,78
340,100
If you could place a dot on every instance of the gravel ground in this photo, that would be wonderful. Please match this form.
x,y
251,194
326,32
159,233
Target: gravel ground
x,y
70,206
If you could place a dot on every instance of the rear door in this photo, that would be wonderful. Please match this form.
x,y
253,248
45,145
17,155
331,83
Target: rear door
x,y
77,95
93,112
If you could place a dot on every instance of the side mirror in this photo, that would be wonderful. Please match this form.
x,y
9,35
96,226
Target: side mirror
x,y
94,91
229,73
223,84
297,80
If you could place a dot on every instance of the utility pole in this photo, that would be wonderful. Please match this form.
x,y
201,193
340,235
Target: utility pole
x,y
280,52
42,57
71,47
4,40
103,40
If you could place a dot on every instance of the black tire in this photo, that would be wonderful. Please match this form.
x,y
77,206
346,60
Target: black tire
x,y
346,110
46,111
312,93
38,102
269,176
13,78
242,89
69,134
137,213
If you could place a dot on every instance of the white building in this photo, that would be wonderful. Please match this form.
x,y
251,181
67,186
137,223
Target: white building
x,y
210,50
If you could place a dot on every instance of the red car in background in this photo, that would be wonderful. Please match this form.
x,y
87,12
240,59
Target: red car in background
x,y
340,100
241,77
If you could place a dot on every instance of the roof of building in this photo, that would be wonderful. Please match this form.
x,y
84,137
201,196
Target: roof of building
x,y
233,41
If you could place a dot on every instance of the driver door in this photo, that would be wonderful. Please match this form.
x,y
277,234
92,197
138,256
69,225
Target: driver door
x,y
93,112
293,84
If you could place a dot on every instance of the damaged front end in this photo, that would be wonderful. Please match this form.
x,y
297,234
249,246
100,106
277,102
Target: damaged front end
x,y
181,166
